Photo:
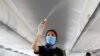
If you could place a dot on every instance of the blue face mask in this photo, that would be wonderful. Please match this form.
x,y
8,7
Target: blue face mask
x,y
50,40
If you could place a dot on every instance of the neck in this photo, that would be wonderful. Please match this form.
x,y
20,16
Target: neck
x,y
50,46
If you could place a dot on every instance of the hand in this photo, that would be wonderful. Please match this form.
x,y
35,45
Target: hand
x,y
41,27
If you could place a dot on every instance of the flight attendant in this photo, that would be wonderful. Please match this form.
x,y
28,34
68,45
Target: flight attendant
x,y
50,48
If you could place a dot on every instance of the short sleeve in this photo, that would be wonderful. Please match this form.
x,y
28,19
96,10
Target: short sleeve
x,y
41,49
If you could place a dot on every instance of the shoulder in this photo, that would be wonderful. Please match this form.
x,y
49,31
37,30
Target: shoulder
x,y
59,52
41,47
58,49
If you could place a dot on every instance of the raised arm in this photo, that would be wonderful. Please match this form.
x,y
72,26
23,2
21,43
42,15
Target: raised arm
x,y
38,33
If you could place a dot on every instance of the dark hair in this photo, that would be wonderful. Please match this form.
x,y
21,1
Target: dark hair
x,y
52,31
88,54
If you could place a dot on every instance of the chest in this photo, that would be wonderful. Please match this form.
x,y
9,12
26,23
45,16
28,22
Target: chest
x,y
49,53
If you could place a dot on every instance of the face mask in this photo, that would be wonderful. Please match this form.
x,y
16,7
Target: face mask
x,y
50,40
